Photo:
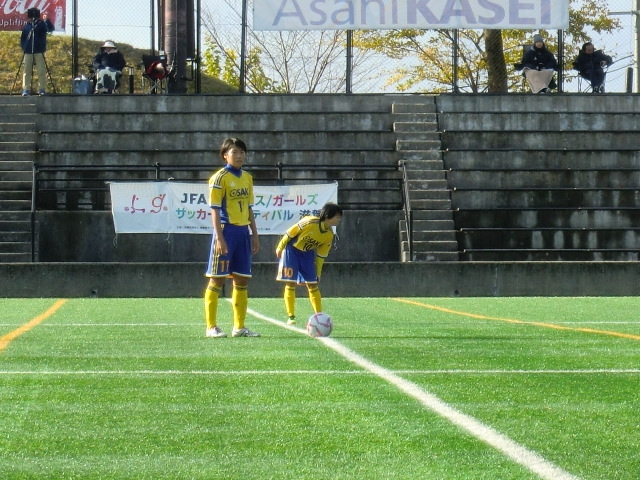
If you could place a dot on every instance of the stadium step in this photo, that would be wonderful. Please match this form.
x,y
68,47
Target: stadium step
x,y
18,150
431,235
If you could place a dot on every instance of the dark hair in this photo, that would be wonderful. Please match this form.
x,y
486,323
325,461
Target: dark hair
x,y
584,47
33,13
330,210
232,142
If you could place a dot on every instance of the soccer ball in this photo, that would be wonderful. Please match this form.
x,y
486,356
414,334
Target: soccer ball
x,y
319,325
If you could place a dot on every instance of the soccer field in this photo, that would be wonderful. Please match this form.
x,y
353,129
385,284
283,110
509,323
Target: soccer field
x,y
406,388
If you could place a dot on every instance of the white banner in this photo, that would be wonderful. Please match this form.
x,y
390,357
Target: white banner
x,y
174,207
396,14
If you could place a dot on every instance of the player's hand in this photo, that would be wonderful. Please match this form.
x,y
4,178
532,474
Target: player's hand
x,y
221,246
255,244
278,253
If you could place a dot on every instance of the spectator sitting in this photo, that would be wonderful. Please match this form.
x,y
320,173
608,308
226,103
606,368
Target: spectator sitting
x,y
590,65
538,66
108,64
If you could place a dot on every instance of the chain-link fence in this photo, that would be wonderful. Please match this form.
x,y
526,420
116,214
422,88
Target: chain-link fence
x,y
406,61
336,61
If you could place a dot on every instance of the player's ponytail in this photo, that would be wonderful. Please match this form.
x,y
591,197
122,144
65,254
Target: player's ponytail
x,y
330,210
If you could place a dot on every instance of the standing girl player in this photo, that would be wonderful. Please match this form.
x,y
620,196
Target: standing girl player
x,y
302,251
231,202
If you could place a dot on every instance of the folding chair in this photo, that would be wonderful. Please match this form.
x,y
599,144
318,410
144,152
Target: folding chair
x,y
156,73
587,82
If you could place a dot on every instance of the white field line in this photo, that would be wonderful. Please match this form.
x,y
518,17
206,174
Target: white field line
x,y
134,373
182,324
518,453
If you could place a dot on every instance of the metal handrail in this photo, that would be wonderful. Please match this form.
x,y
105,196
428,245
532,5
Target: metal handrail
x,y
158,169
408,212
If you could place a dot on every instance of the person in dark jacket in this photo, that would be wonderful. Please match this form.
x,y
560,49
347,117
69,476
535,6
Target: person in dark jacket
x,y
107,65
590,65
33,42
538,66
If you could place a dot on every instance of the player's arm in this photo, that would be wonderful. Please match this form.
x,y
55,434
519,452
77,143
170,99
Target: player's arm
x,y
319,264
293,231
220,243
321,254
255,240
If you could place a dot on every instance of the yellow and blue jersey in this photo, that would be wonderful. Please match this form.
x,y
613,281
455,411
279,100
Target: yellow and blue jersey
x,y
231,190
307,236
310,234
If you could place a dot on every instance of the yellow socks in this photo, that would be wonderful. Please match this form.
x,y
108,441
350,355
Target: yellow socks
x,y
290,300
211,295
316,299
239,299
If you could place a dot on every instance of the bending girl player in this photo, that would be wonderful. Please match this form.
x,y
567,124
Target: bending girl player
x,y
302,251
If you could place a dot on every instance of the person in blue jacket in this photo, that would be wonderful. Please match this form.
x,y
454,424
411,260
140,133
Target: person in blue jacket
x,y
538,65
34,43
590,64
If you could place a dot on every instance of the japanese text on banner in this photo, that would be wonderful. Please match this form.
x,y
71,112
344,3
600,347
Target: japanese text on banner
x,y
174,207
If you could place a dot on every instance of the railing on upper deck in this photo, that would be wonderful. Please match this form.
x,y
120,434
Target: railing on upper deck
x,y
64,187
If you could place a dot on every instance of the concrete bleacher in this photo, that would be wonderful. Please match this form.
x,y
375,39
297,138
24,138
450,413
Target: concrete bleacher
x,y
543,178
527,177
522,181
83,142
186,131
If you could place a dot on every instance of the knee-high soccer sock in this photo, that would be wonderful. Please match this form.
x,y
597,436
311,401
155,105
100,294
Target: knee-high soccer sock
x,y
239,300
211,295
290,300
316,299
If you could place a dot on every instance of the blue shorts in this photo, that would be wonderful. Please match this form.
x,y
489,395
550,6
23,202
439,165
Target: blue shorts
x,y
237,260
297,266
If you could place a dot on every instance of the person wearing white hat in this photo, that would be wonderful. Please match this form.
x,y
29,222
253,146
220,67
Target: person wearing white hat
x,y
538,65
107,65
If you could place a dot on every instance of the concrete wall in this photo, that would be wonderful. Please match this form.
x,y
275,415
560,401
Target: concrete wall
x,y
437,279
89,236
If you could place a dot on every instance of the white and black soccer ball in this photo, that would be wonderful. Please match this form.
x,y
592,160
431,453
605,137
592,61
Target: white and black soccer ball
x,y
319,325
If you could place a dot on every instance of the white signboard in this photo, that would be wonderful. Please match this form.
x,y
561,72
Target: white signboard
x,y
175,207
397,14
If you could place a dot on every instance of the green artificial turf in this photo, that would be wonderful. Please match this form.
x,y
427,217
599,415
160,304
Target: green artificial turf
x,y
132,389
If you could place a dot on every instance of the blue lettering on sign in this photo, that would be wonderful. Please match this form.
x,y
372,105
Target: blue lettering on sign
x,y
344,16
322,16
515,7
298,13
496,9
421,6
192,198
417,12
465,11
546,11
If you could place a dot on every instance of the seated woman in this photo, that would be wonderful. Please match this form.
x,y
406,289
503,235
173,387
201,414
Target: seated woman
x,y
108,64
538,66
590,65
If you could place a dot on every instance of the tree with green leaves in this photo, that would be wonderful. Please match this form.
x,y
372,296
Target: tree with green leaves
x,y
485,58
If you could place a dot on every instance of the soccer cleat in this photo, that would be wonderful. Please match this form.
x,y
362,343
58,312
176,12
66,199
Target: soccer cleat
x,y
25,93
215,332
292,320
244,332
